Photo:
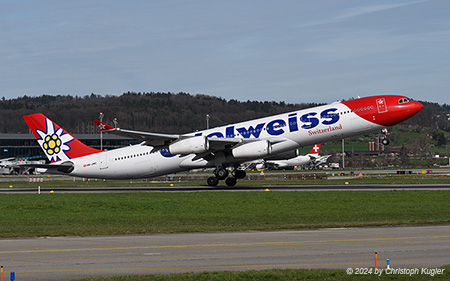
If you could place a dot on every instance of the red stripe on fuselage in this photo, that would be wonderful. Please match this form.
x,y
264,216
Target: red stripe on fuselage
x,y
385,110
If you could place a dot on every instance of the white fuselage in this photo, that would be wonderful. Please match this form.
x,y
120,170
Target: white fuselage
x,y
297,161
290,130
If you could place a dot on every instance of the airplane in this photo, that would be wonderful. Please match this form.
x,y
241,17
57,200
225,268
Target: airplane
x,y
6,165
221,147
9,166
300,160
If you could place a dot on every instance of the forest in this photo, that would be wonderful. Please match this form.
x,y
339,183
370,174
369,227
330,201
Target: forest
x,y
176,113
156,112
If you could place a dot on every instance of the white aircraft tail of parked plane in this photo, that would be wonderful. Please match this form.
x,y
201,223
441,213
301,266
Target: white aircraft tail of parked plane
x,y
220,147
320,160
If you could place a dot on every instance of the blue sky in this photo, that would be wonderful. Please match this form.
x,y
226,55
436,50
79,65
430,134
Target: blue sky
x,y
292,51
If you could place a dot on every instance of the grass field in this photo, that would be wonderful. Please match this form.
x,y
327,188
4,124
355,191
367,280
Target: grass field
x,y
277,274
367,179
32,215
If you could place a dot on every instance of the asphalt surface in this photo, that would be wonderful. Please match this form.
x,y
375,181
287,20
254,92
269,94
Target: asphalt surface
x,y
336,187
68,258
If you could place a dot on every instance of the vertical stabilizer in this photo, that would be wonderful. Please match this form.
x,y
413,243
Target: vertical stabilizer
x,y
56,143
315,150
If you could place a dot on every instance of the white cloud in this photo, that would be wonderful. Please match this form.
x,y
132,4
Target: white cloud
x,y
362,10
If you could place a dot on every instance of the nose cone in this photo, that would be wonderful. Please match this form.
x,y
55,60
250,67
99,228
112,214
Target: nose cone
x,y
399,109
413,108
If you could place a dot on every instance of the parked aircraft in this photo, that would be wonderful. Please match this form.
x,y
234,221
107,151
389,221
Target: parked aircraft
x,y
277,162
20,166
6,165
221,147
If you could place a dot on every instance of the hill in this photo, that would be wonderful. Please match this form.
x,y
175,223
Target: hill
x,y
182,112
156,112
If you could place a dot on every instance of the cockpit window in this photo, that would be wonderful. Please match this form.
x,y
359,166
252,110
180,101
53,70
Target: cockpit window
x,y
404,100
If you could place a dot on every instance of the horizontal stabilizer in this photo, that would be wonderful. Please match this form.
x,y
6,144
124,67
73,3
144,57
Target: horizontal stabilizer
x,y
153,139
65,167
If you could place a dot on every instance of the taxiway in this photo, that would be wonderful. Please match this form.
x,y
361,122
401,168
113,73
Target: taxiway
x,y
68,258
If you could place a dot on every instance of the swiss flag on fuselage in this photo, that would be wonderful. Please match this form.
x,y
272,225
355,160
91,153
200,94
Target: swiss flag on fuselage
x,y
381,104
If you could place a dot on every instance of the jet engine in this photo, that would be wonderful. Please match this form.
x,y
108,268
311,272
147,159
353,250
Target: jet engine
x,y
191,145
257,149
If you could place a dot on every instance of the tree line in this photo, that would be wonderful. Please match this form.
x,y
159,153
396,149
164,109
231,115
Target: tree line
x,y
175,112
156,112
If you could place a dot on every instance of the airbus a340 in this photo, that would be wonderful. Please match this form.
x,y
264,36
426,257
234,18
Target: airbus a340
x,y
277,136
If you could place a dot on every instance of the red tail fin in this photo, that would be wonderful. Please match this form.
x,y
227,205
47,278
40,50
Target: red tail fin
x,y
56,143
315,150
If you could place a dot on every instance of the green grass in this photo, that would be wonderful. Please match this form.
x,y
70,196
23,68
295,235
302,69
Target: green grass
x,y
276,274
367,179
32,215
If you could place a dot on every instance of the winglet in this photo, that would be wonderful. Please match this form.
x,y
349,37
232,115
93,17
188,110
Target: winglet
x,y
103,126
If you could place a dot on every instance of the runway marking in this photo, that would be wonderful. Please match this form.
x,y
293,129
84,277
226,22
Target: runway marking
x,y
207,267
291,243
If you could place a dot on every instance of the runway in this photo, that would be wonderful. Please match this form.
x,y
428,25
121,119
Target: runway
x,y
243,187
67,258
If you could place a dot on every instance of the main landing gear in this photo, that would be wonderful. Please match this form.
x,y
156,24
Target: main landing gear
x,y
222,174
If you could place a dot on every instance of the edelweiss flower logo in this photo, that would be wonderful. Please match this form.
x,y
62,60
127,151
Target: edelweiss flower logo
x,y
54,142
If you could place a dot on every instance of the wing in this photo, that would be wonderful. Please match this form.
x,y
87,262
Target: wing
x,y
164,140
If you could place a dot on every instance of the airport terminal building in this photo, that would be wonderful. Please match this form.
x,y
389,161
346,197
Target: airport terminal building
x,y
25,146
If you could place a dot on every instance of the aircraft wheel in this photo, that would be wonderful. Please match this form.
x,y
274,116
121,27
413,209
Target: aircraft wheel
x,y
385,141
231,181
222,174
212,181
240,174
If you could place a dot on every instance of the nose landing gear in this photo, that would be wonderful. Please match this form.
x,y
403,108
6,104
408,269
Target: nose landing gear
x,y
385,140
